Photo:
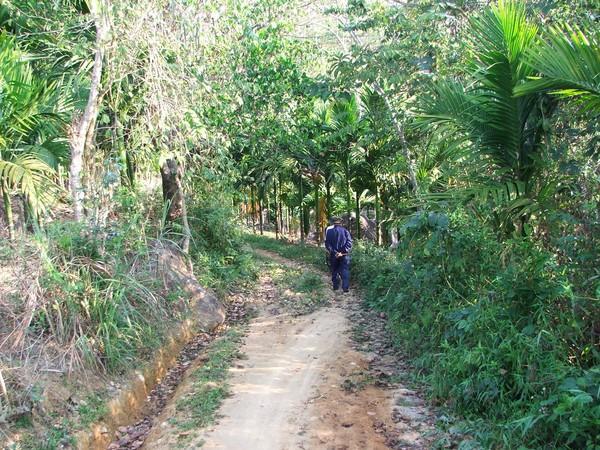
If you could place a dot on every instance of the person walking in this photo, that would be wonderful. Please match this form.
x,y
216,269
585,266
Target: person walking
x,y
338,243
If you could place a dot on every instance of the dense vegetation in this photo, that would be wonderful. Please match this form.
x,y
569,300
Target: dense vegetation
x,y
459,140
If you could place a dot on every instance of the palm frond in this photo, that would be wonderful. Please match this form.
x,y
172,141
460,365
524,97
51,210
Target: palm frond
x,y
569,61
486,111
31,177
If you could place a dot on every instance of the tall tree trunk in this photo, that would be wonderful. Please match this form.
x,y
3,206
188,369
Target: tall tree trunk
x,y
276,205
244,209
260,215
317,212
385,238
396,123
170,173
412,173
280,207
328,196
126,162
253,208
377,215
348,196
306,223
8,212
267,206
357,215
302,210
82,125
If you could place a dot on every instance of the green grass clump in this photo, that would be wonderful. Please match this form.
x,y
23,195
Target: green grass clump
x,y
308,282
301,291
304,253
56,436
209,388
92,409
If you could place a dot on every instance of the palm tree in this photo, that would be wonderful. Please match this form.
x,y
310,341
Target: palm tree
x,y
346,120
505,133
30,144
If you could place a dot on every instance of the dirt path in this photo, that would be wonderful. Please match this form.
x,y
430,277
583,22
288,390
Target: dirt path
x,y
303,385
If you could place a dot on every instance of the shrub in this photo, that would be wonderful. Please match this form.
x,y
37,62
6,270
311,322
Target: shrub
x,y
494,325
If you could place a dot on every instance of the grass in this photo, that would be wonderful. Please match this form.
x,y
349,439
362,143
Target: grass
x,y
308,282
92,409
210,386
56,436
300,291
305,253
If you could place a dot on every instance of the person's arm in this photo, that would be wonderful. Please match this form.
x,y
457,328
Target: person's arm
x,y
348,244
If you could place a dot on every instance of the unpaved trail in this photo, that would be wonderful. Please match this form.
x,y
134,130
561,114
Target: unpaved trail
x,y
303,385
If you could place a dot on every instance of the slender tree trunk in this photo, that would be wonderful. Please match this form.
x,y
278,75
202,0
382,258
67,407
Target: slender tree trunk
x,y
301,223
280,207
317,213
377,215
357,215
397,125
82,125
31,219
412,173
127,165
260,216
187,232
244,210
302,211
384,226
276,212
8,212
253,208
328,196
348,196
170,172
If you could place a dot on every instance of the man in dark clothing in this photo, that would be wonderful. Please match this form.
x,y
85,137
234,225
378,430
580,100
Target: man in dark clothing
x,y
338,243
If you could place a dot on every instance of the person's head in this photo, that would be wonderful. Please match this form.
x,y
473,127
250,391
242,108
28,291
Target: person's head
x,y
336,221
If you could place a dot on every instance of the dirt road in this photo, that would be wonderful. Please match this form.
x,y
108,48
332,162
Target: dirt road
x,y
303,385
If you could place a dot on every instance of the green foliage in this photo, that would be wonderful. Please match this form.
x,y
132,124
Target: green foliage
x,y
30,137
210,383
569,61
308,282
220,257
91,410
107,312
504,335
57,436
494,288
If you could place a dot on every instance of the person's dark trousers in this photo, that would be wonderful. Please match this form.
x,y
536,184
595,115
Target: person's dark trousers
x,y
340,268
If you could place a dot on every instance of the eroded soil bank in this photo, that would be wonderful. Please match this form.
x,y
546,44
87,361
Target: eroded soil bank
x,y
328,379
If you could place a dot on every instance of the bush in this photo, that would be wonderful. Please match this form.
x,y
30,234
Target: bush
x,y
495,325
218,250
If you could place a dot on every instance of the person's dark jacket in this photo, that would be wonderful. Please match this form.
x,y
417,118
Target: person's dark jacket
x,y
338,240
